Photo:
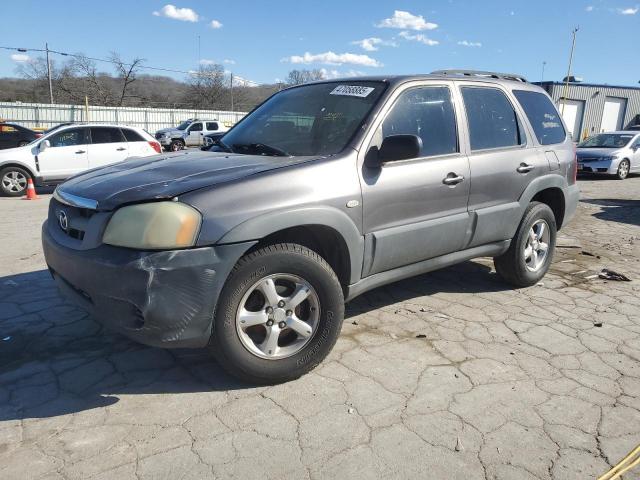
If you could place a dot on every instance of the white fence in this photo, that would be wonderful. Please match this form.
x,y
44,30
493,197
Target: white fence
x,y
44,115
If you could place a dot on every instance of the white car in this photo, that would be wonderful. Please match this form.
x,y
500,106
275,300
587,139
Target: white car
x,y
70,149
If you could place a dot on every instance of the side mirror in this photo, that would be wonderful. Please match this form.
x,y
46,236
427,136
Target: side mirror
x,y
44,145
399,147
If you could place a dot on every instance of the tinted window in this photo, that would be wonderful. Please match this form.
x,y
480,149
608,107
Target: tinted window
x,y
68,138
132,135
106,135
492,121
196,127
543,116
428,113
212,126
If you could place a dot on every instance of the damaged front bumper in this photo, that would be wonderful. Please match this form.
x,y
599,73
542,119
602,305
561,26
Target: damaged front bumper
x,y
163,298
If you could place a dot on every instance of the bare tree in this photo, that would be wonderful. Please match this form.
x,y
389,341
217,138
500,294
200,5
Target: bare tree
x,y
81,78
127,73
207,87
298,77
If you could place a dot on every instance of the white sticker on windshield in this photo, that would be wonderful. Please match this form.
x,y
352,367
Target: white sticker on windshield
x,y
352,91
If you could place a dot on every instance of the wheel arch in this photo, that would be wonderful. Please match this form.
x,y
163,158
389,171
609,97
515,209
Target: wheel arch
x,y
550,190
19,165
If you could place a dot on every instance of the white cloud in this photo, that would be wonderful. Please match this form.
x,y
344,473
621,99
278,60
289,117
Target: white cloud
x,y
228,61
205,62
332,74
419,37
628,11
371,44
466,43
183,14
20,57
589,8
215,24
407,21
331,58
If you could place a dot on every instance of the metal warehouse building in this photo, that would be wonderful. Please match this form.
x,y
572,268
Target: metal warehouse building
x,y
591,108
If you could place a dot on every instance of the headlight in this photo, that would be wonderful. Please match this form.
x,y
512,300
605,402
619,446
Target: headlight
x,y
153,226
608,159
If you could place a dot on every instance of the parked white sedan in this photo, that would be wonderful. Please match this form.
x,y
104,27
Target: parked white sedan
x,y
70,149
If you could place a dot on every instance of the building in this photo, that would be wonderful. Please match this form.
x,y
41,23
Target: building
x,y
590,108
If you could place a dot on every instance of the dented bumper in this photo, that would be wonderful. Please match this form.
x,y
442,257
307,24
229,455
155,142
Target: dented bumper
x,y
164,299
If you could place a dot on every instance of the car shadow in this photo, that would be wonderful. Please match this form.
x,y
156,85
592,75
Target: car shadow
x,y
56,360
617,210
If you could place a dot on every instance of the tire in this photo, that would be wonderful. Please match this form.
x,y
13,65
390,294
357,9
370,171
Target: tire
x,y
22,143
232,344
623,169
13,181
176,145
513,265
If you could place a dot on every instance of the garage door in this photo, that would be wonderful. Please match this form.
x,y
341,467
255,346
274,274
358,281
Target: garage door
x,y
572,111
613,114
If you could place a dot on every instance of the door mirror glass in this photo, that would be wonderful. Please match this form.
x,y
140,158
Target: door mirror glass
x,y
399,147
44,145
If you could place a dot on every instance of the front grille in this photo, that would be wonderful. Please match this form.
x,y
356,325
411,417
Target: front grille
x,y
76,219
588,159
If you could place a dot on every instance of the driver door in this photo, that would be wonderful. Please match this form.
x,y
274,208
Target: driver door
x,y
67,154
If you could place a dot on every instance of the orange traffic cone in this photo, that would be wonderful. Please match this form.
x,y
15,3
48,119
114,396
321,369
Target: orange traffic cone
x,y
31,191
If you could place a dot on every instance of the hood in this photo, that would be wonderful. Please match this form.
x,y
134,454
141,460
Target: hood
x,y
173,131
165,176
15,153
597,152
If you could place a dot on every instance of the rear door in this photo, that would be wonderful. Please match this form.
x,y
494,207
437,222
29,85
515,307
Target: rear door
x,y
409,213
195,133
138,145
108,145
502,160
67,154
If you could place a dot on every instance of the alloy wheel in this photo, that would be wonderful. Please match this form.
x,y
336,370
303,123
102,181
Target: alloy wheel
x,y
14,181
537,246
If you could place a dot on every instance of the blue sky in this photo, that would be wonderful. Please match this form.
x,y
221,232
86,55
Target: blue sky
x,y
263,40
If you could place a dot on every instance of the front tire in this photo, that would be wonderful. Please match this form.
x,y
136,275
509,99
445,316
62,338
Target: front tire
x,y
623,169
531,251
278,316
176,145
13,181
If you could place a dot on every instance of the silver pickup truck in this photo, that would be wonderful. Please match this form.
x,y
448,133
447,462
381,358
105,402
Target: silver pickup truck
x,y
189,133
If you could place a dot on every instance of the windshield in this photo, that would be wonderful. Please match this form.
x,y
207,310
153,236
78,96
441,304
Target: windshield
x,y
316,119
184,125
606,140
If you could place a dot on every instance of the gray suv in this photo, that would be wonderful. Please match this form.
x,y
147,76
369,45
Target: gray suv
x,y
323,192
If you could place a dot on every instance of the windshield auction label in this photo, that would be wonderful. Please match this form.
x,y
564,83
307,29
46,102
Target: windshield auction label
x,y
352,91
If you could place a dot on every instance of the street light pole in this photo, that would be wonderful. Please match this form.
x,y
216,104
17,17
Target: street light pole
x,y
565,93
231,85
544,64
46,47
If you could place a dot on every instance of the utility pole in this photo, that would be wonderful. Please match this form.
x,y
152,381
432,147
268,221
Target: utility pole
x,y
565,93
46,47
199,55
231,85
544,64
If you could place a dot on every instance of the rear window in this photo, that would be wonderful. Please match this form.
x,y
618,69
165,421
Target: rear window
x,y
543,116
132,135
106,135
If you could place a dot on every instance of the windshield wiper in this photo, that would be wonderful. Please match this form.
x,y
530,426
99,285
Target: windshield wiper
x,y
266,149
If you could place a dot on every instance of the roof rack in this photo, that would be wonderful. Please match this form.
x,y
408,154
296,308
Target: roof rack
x,y
479,73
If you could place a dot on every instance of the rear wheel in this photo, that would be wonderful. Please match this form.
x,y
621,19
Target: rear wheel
x,y
278,316
13,181
22,143
623,169
531,250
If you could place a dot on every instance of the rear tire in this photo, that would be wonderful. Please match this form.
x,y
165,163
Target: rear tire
x,y
13,181
296,348
623,169
529,257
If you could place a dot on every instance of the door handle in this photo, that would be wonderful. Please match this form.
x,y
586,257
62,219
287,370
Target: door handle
x,y
524,168
453,179
120,149
80,151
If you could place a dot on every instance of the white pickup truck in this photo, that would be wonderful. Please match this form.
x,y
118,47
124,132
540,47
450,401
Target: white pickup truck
x,y
189,133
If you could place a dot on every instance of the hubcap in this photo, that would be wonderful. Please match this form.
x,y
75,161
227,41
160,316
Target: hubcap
x,y
278,316
14,181
537,246
623,169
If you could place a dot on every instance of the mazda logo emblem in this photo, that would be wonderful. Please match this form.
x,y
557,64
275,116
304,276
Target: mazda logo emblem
x,y
63,221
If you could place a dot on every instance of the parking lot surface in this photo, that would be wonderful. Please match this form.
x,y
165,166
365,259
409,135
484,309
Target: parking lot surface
x,y
450,375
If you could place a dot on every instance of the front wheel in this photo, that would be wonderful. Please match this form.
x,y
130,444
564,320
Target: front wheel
x,y
623,170
176,145
13,181
278,316
531,250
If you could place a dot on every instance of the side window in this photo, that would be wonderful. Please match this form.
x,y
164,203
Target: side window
x,y
543,116
196,127
428,113
212,126
106,135
68,138
493,123
132,135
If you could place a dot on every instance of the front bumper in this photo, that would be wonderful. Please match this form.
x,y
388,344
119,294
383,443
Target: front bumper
x,y
163,299
605,167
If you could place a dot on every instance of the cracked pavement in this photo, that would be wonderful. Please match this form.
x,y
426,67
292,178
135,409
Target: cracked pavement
x,y
448,375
